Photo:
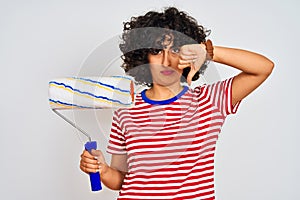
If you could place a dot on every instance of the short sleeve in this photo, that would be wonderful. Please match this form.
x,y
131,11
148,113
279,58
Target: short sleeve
x,y
221,96
116,144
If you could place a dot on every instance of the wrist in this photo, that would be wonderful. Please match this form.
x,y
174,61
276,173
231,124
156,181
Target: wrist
x,y
104,168
209,49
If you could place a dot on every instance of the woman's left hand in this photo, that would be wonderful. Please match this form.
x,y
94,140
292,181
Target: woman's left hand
x,y
193,56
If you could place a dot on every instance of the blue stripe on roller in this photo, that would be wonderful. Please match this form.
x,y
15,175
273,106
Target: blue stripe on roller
x,y
87,93
124,77
103,84
68,104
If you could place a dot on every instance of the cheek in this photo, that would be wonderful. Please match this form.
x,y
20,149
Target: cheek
x,y
154,59
174,65
175,61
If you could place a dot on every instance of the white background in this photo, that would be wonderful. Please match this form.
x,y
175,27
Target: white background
x,y
257,153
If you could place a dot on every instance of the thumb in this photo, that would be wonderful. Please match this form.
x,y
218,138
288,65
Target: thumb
x,y
96,153
189,79
190,75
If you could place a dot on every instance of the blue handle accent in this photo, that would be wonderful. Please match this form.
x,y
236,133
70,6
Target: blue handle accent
x,y
94,177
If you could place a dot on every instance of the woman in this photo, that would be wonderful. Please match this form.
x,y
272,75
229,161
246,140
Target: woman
x,y
163,148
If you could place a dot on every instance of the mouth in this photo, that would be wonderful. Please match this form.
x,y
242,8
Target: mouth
x,y
167,72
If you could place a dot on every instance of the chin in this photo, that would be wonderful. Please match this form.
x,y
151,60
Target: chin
x,y
167,83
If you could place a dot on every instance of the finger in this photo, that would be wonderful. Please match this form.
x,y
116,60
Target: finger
x,y
86,154
203,50
203,46
182,66
90,161
188,56
183,62
89,170
89,165
188,49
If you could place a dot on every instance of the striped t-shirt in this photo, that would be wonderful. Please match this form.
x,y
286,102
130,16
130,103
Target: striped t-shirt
x,y
171,144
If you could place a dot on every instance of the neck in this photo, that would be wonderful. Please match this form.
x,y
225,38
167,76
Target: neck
x,y
158,92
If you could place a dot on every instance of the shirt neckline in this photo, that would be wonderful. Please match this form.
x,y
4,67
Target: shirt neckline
x,y
163,102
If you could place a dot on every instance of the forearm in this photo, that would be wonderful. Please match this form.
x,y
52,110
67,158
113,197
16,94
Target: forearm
x,y
112,178
246,61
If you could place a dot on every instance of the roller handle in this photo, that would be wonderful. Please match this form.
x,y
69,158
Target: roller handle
x,y
94,177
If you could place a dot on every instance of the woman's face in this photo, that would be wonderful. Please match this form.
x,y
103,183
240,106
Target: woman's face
x,y
164,64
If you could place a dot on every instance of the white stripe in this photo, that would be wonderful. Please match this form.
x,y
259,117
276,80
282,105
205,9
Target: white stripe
x,y
165,148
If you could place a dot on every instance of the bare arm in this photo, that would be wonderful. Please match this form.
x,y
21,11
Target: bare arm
x,y
114,176
254,67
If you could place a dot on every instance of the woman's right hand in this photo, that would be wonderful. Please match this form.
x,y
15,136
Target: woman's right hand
x,y
93,162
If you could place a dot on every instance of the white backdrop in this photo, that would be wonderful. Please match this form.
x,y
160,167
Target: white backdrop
x,y
40,40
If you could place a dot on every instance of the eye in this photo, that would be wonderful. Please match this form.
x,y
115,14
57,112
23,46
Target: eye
x,y
155,51
175,50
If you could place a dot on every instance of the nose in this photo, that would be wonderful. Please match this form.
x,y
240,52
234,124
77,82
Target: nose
x,y
166,58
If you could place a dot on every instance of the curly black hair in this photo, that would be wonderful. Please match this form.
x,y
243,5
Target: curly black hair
x,y
143,35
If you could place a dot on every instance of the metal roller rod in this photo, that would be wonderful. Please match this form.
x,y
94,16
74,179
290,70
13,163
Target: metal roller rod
x,y
73,124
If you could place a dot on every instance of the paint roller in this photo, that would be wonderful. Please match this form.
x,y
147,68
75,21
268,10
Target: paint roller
x,y
90,93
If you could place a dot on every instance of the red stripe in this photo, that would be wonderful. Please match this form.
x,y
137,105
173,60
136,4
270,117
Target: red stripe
x,y
160,190
170,169
167,193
